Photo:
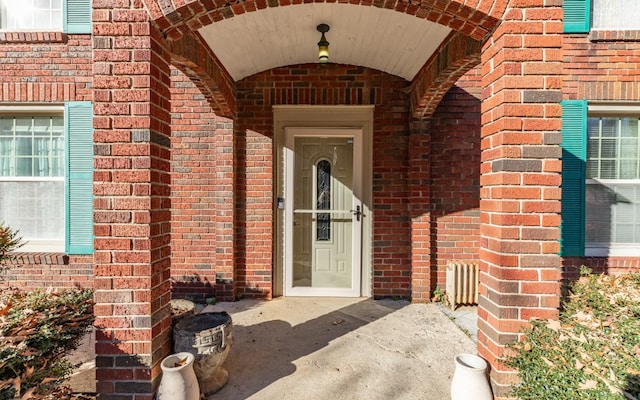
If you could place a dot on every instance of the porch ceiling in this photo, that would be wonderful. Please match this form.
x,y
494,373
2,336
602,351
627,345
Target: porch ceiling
x,y
386,40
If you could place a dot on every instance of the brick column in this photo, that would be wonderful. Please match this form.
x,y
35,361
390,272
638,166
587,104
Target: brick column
x,y
202,196
420,209
132,205
225,210
520,194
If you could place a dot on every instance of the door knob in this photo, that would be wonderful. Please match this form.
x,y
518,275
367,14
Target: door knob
x,y
357,213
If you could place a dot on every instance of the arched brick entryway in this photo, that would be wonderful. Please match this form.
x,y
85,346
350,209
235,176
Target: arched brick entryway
x,y
134,48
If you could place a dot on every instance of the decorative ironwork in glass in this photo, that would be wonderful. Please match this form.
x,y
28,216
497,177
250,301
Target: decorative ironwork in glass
x,y
323,185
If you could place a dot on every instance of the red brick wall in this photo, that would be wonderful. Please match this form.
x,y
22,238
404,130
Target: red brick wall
x,y
444,186
46,68
197,191
47,270
596,68
37,70
455,176
317,84
600,67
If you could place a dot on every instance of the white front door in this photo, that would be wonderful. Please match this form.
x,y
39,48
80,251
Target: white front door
x,y
323,212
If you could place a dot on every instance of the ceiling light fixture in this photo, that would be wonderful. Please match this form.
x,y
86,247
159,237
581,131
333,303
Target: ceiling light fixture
x,y
323,44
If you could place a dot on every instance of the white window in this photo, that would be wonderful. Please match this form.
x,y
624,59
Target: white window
x,y
616,15
612,203
32,178
31,15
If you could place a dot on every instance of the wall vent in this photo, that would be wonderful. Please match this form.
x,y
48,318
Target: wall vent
x,y
462,283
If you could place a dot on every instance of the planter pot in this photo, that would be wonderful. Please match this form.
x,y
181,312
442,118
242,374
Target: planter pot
x,y
179,380
181,308
470,380
208,336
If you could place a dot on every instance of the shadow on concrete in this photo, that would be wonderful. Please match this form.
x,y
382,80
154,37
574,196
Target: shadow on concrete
x,y
312,348
83,378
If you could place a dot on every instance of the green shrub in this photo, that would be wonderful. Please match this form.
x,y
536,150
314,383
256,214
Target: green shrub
x,y
37,330
592,352
9,242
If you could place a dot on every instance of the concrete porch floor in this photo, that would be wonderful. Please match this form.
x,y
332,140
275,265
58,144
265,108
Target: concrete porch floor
x,y
339,348
332,348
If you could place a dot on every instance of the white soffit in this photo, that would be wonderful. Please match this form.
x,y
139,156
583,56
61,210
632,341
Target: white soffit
x,y
378,38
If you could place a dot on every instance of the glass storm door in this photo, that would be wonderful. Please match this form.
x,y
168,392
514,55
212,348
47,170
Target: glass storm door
x,y
323,212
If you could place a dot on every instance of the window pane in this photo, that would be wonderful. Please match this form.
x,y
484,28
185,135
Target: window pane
x,y
33,147
629,148
613,213
43,18
36,148
42,126
613,153
56,19
615,14
607,170
23,126
629,127
6,126
623,233
593,169
593,148
609,127
24,146
31,14
57,126
628,169
34,208
613,206
608,148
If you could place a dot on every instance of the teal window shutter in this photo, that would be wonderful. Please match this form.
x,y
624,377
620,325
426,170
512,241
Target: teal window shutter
x,y
78,122
574,159
577,16
77,16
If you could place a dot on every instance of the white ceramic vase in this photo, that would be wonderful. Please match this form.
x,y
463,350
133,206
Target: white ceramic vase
x,y
179,380
470,381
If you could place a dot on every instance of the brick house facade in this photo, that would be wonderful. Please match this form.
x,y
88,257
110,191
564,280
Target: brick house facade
x,y
468,160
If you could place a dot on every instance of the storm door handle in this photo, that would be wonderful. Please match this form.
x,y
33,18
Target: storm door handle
x,y
357,213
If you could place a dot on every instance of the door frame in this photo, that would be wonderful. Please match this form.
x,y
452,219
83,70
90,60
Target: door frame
x,y
347,117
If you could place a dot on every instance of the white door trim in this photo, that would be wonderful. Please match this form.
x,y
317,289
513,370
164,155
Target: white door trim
x,y
357,117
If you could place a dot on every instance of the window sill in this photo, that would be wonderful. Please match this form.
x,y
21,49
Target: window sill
x,y
39,259
614,35
32,37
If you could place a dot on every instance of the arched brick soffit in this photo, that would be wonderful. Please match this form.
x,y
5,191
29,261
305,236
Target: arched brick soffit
x,y
474,18
457,55
471,20
194,58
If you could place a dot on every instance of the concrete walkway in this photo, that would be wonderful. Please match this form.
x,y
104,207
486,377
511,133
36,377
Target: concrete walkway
x,y
331,348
